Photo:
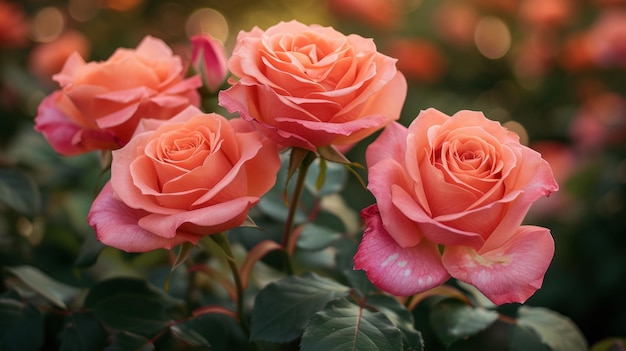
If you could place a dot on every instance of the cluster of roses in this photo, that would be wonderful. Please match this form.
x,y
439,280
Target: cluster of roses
x,y
451,191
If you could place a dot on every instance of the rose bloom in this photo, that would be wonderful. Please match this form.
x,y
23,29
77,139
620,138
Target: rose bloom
x,y
180,179
100,103
461,185
311,86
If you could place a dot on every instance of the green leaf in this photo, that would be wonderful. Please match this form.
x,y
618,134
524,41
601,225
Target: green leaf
x,y
453,319
316,237
19,192
283,308
343,325
21,326
189,336
137,314
400,317
124,341
541,326
52,290
82,332
128,286
89,252
219,331
525,339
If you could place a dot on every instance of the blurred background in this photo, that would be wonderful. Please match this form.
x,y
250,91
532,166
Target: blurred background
x,y
553,71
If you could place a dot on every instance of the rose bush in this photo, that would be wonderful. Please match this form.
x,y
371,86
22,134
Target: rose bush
x,y
180,179
311,86
100,103
461,185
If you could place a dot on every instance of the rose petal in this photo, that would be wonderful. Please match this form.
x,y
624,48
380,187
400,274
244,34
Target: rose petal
x,y
435,231
206,220
510,273
64,135
403,230
116,225
392,268
390,144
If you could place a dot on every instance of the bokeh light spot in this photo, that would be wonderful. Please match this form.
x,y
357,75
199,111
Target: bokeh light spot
x,y
492,37
47,24
83,10
206,20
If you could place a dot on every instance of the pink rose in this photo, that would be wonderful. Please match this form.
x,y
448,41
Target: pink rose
x,y
311,86
180,179
461,185
105,100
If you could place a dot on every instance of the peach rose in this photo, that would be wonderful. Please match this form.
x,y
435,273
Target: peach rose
x,y
460,184
104,101
311,86
180,179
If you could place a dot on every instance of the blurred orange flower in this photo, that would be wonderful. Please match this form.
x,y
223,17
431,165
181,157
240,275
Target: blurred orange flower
x,y
13,26
418,59
381,14
455,23
46,59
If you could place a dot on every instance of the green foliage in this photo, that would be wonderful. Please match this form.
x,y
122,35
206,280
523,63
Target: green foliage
x,y
342,326
21,326
61,289
50,289
283,309
19,191
453,319
539,328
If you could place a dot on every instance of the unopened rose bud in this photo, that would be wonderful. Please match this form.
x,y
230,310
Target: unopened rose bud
x,y
209,59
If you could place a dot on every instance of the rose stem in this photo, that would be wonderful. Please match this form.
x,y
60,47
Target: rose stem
x,y
293,207
223,242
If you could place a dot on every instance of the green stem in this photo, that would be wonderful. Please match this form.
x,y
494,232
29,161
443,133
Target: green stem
x,y
223,242
293,208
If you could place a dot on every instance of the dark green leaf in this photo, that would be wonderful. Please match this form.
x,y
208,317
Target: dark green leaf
x,y
124,341
189,336
21,326
543,326
82,332
400,317
220,332
52,290
128,286
135,313
283,308
526,339
453,319
343,325
89,252
19,192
